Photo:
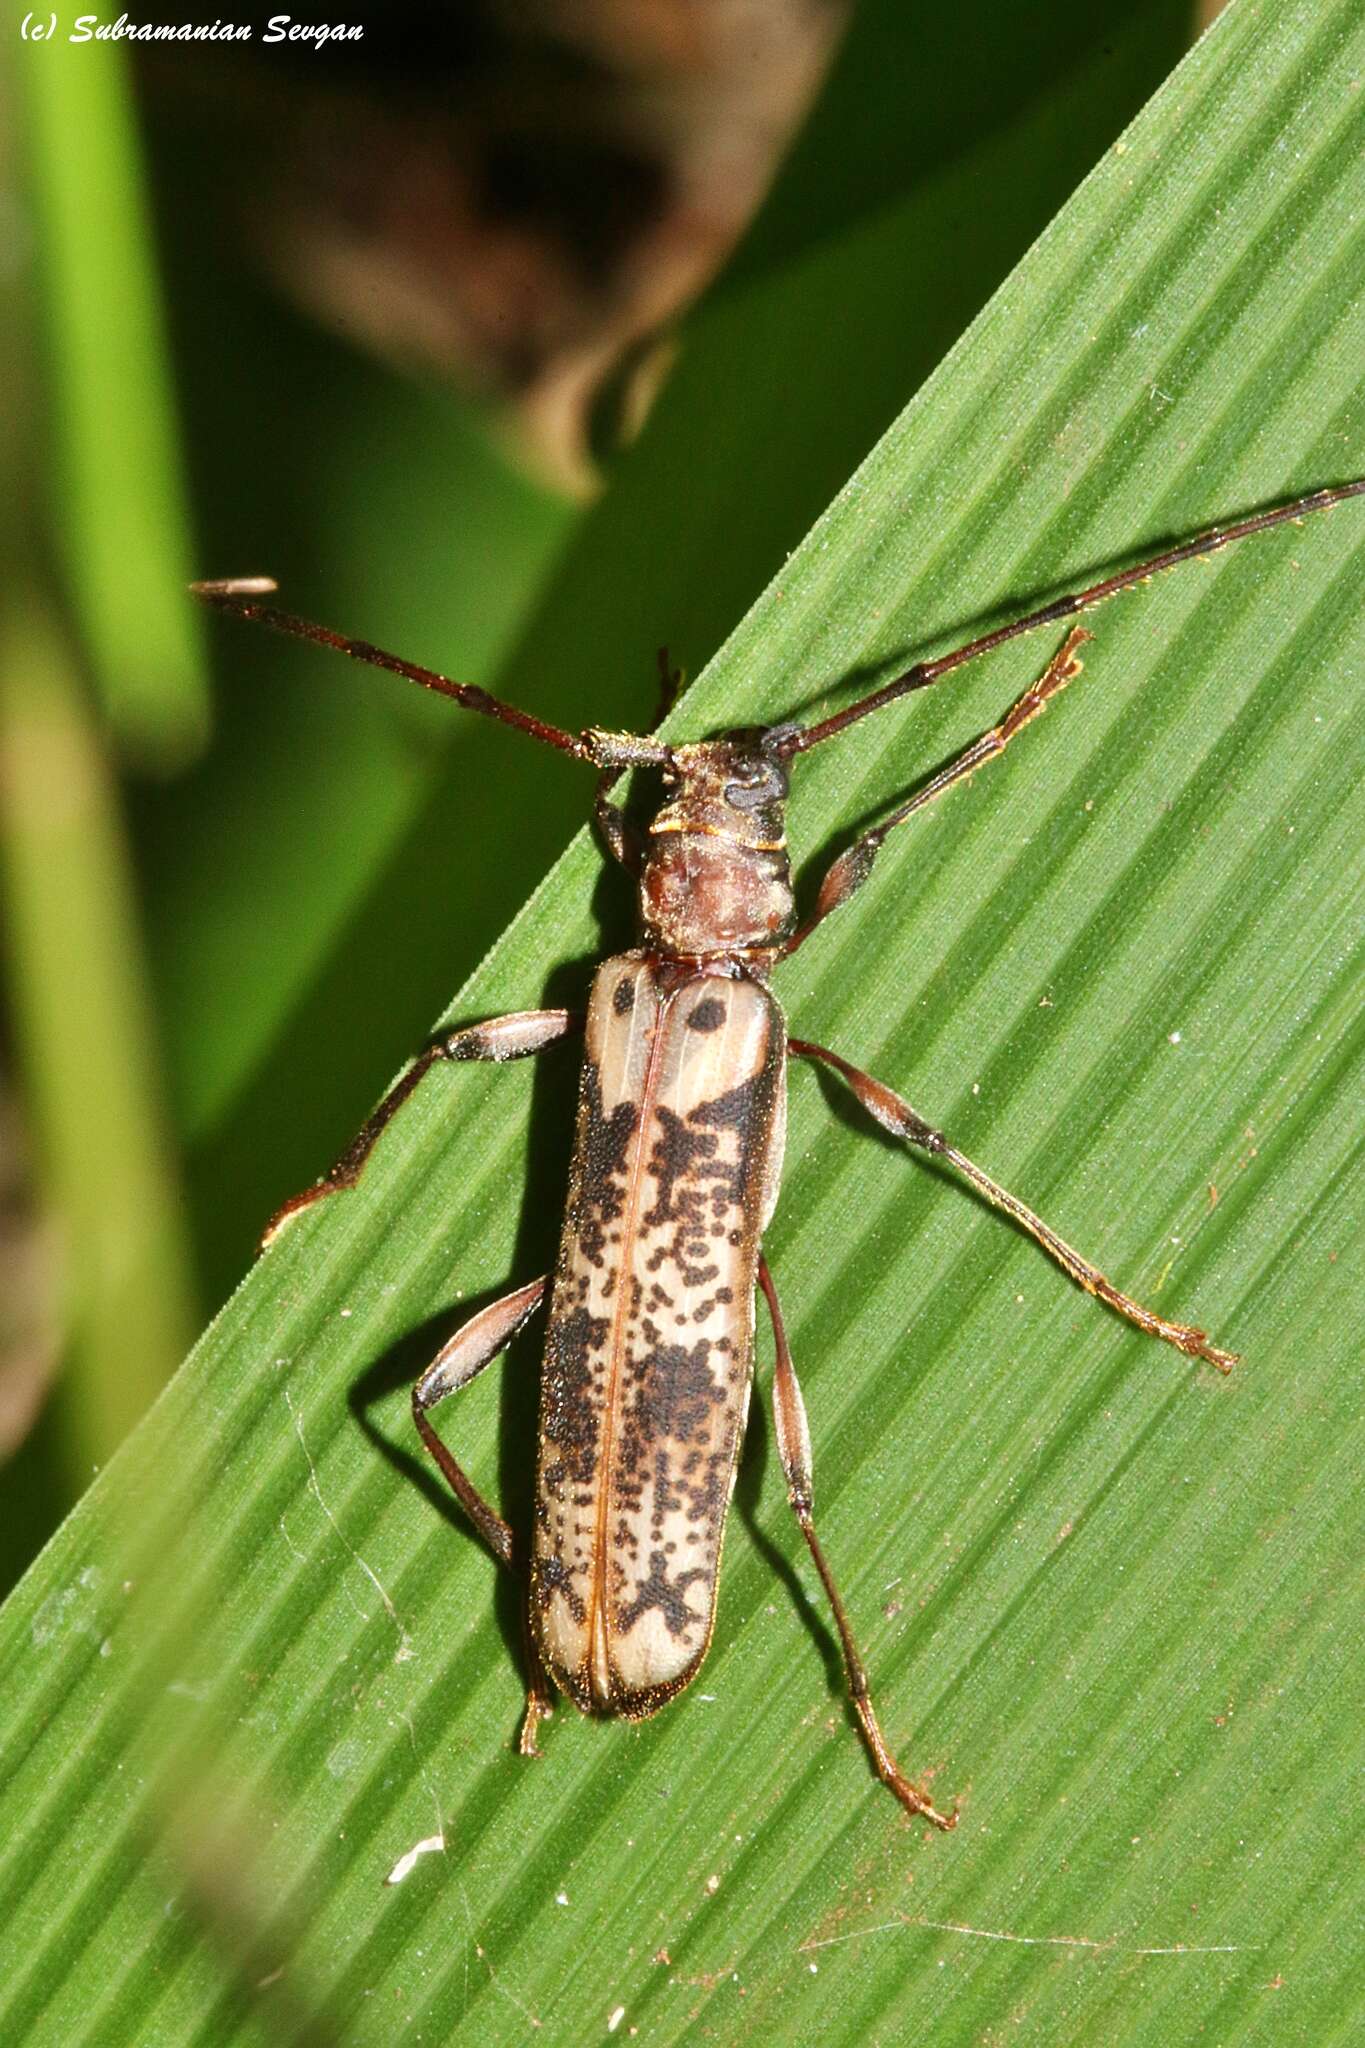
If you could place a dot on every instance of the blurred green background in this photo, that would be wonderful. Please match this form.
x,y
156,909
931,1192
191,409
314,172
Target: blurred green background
x,y
240,878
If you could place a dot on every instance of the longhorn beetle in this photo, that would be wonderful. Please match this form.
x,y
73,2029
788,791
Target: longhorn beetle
x,y
677,1155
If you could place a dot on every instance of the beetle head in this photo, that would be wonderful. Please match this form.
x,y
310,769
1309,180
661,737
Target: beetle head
x,y
716,876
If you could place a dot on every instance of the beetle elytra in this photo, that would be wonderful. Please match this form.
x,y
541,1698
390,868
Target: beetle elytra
x,y
676,1163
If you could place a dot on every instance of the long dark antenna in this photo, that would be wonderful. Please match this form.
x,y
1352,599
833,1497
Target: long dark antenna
x,y
925,672
237,596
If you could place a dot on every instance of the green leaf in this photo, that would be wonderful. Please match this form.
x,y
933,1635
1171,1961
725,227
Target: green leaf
x,y
1099,1592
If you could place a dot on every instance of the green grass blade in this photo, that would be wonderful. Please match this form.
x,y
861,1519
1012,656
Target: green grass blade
x,y
115,492
89,1050
76,987
1101,1595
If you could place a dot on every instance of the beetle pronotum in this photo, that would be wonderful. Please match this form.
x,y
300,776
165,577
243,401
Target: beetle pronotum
x,y
677,1156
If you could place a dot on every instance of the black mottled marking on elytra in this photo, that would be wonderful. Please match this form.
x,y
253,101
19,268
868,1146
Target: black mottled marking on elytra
x,y
696,1185
623,995
675,1157
668,1498
668,1596
676,1391
553,1576
708,1015
571,1411
596,1192
734,1110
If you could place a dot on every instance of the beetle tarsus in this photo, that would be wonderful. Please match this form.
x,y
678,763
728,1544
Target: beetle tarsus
x,y
538,1709
918,1805
1195,1344
888,1770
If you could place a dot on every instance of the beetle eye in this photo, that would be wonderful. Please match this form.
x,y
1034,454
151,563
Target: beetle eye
x,y
759,788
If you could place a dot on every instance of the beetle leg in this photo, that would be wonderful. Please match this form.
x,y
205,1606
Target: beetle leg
x,y
460,1360
847,874
621,838
895,1115
501,1038
793,1442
